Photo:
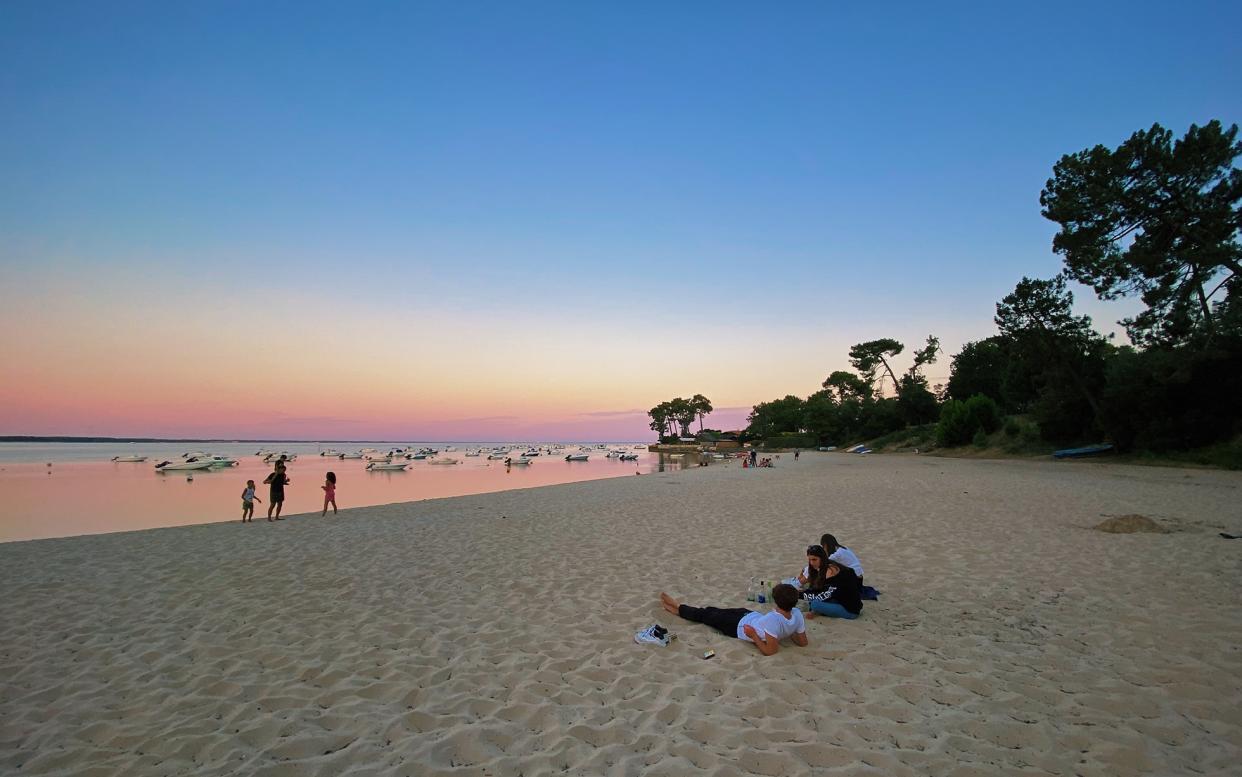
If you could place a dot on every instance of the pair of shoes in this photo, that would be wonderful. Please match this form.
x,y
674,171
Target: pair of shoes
x,y
654,634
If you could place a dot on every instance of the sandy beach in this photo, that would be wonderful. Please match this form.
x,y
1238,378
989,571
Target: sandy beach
x,y
492,634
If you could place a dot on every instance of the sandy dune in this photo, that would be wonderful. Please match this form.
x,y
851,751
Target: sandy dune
x,y
491,635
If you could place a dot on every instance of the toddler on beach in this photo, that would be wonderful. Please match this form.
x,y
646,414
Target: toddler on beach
x,y
248,500
329,493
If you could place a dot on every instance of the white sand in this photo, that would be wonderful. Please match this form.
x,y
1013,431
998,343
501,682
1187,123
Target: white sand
x,y
491,634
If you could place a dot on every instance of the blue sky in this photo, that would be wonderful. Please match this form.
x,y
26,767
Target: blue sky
x,y
820,171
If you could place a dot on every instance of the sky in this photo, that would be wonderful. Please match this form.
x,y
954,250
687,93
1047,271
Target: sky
x,y
416,220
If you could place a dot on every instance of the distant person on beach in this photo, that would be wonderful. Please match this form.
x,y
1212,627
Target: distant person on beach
x,y
834,590
248,500
278,480
329,493
838,552
754,456
797,454
765,630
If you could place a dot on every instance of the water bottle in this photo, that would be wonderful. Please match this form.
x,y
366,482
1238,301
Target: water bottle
x,y
750,591
762,596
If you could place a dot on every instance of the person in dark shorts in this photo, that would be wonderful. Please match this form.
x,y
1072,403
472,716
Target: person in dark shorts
x,y
765,630
276,499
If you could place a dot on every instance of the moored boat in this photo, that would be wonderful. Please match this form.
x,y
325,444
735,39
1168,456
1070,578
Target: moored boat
x,y
386,466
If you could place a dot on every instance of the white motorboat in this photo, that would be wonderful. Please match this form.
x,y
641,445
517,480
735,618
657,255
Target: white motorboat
x,y
329,452
169,466
129,458
216,461
472,453
628,457
344,456
497,456
531,453
194,455
444,461
520,461
577,457
386,466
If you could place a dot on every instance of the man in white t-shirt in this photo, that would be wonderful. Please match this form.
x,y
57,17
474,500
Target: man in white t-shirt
x,y
765,629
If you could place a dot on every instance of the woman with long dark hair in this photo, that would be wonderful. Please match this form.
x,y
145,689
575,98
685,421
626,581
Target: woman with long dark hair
x,y
834,589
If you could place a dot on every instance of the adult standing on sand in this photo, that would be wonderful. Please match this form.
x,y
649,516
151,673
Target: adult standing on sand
x,y
278,480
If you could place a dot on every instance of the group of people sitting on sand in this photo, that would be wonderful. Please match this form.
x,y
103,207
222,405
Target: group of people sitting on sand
x,y
831,583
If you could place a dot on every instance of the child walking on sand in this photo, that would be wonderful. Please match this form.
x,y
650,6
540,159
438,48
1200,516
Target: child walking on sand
x,y
329,493
248,500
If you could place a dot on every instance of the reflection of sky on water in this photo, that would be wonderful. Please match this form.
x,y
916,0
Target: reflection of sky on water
x,y
93,496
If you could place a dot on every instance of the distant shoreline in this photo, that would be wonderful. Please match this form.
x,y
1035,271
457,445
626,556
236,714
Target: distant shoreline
x,y
26,438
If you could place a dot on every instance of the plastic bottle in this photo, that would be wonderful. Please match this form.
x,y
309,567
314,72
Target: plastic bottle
x,y
750,591
762,596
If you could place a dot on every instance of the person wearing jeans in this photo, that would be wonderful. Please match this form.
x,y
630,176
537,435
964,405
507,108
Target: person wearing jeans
x,y
834,589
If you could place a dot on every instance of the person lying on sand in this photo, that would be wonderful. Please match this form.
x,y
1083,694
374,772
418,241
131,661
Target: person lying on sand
x,y
765,630
834,589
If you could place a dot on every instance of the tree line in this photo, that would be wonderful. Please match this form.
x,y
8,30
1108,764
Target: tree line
x,y
1155,219
668,418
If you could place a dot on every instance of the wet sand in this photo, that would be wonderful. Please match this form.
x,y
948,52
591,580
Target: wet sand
x,y
492,634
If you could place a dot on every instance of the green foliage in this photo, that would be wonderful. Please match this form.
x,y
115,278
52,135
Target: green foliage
x,y
1013,428
1168,399
779,416
961,421
916,403
980,368
1157,219
791,440
668,417
980,439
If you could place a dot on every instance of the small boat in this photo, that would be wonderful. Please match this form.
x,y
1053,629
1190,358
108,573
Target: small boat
x,y
170,466
386,466
419,456
344,456
577,457
520,461
497,456
472,453
1077,453
194,455
271,457
129,458
444,461
329,452
216,461
628,457
531,453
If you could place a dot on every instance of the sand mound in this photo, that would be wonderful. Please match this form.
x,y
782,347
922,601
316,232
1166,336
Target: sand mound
x,y
1130,524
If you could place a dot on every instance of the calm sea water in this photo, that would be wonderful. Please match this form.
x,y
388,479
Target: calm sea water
x,y
84,492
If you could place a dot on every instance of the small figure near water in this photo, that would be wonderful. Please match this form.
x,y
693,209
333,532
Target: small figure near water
x,y
248,500
278,480
329,493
